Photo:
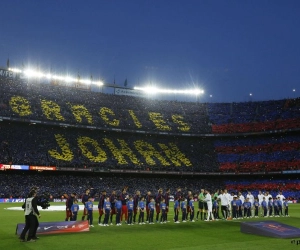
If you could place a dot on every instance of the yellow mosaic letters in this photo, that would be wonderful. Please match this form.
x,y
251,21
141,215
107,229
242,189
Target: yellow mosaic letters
x,y
20,105
157,119
119,153
175,155
80,111
100,154
135,119
66,153
51,110
183,126
104,112
148,152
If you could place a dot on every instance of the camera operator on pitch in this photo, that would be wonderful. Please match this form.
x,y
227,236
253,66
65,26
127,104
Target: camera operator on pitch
x,y
31,213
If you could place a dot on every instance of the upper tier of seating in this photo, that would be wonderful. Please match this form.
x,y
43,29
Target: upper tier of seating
x,y
67,105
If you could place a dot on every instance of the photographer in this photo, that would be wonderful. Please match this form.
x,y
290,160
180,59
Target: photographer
x,y
31,221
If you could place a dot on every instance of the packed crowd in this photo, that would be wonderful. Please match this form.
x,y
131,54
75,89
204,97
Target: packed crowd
x,y
73,106
259,154
56,145
18,184
254,116
25,144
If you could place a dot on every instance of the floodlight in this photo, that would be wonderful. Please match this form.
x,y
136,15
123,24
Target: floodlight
x,y
15,70
99,83
32,73
154,90
68,79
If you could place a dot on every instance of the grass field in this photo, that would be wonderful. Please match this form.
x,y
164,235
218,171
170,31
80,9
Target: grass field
x,y
191,236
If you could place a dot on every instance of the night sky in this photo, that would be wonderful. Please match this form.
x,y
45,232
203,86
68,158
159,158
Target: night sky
x,y
228,48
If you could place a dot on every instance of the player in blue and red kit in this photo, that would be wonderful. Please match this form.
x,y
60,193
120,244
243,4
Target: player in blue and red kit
x,y
130,207
158,198
167,201
141,208
89,207
124,198
151,207
163,208
183,211
148,200
112,200
136,200
176,210
106,211
85,198
118,208
192,209
101,205
74,210
69,203
178,195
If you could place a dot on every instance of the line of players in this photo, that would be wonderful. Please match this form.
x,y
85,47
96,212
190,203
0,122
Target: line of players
x,y
129,207
238,207
126,207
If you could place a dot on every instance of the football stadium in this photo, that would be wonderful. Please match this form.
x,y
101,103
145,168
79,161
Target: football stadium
x,y
185,175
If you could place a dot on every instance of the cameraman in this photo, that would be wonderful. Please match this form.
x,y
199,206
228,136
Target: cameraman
x,y
31,221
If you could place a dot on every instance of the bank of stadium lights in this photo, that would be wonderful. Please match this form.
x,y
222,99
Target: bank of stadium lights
x,y
30,73
155,90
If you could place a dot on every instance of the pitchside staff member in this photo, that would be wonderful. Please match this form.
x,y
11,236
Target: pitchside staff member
x,y
31,221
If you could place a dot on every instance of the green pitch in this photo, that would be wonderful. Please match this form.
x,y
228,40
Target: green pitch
x,y
190,236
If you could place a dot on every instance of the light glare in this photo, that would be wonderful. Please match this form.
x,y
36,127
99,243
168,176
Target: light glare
x,y
30,73
155,90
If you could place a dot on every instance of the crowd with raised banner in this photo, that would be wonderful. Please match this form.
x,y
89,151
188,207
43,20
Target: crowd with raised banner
x,y
44,102
151,208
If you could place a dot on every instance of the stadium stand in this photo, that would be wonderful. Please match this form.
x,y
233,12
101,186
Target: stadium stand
x,y
48,125
16,185
70,147
259,153
254,116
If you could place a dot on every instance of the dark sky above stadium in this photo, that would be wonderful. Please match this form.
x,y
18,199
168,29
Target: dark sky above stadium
x,y
228,48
